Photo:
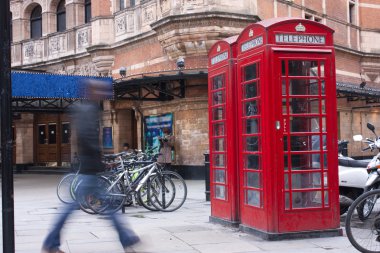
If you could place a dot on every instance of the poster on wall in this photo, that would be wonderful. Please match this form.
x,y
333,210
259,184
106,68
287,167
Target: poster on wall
x,y
153,126
107,137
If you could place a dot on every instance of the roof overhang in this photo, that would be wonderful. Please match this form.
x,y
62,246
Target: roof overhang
x,y
159,86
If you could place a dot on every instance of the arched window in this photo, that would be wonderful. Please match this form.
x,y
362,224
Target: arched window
x,y
87,11
36,23
61,16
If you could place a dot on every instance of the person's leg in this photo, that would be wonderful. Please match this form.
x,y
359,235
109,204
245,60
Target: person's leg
x,y
53,240
126,236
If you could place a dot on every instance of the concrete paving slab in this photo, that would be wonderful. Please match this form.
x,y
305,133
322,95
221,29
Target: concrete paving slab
x,y
186,230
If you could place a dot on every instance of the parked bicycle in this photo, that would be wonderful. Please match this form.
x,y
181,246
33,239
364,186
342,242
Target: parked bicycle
x,y
364,235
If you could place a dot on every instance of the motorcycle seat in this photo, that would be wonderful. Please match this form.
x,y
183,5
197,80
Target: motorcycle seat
x,y
353,163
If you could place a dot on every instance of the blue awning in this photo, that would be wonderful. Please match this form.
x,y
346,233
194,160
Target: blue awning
x,y
42,85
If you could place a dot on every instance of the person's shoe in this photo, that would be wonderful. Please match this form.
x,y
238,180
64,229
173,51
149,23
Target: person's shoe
x,y
133,240
51,251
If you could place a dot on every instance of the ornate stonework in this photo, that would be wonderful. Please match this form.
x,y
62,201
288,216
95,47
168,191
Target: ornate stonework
x,y
165,6
86,70
33,51
82,38
120,25
57,44
149,14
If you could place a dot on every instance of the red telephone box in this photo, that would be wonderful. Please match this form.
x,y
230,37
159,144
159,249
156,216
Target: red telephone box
x,y
287,129
222,126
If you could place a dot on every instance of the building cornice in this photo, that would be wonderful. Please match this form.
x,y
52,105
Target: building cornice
x,y
203,15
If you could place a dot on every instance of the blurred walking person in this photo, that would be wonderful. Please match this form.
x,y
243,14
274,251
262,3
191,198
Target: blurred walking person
x,y
86,117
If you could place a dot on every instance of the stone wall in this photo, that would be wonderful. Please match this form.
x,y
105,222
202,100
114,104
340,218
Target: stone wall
x,y
24,139
190,127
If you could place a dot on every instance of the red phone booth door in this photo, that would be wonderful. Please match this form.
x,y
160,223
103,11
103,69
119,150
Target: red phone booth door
x,y
305,135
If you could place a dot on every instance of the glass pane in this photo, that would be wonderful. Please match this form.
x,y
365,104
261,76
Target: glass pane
x,y
325,161
61,22
286,165
327,199
219,176
252,108
252,162
325,179
323,87
52,133
36,29
253,179
322,68
65,133
283,67
304,124
306,180
219,160
218,82
284,106
218,113
286,181
251,90
287,200
220,192
250,72
42,134
253,198
307,199
283,84
218,97
252,143
218,129
304,105
303,68
285,143
303,87
300,143
306,161
219,144
252,126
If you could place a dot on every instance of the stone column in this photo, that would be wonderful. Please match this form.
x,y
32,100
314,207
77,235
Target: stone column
x,y
74,13
24,139
102,23
49,23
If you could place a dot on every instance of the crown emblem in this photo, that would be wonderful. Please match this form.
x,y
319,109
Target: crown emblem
x,y
250,33
218,48
300,28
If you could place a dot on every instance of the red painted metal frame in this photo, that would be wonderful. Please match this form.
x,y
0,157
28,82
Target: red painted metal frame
x,y
257,43
221,64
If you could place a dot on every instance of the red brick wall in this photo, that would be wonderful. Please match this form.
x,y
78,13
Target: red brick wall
x,y
100,8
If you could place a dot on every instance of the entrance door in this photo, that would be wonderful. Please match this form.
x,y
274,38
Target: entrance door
x,y
53,139
304,136
251,109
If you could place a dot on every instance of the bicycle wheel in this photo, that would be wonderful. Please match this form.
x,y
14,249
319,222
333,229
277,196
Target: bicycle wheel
x,y
142,197
364,235
63,189
106,198
170,191
365,208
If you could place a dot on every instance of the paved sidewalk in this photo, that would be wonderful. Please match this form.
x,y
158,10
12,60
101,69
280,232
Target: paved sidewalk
x,y
186,230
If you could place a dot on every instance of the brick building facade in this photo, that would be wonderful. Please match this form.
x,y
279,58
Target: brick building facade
x,y
147,37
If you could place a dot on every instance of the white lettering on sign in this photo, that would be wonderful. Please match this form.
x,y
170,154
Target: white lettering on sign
x,y
252,43
301,38
219,58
